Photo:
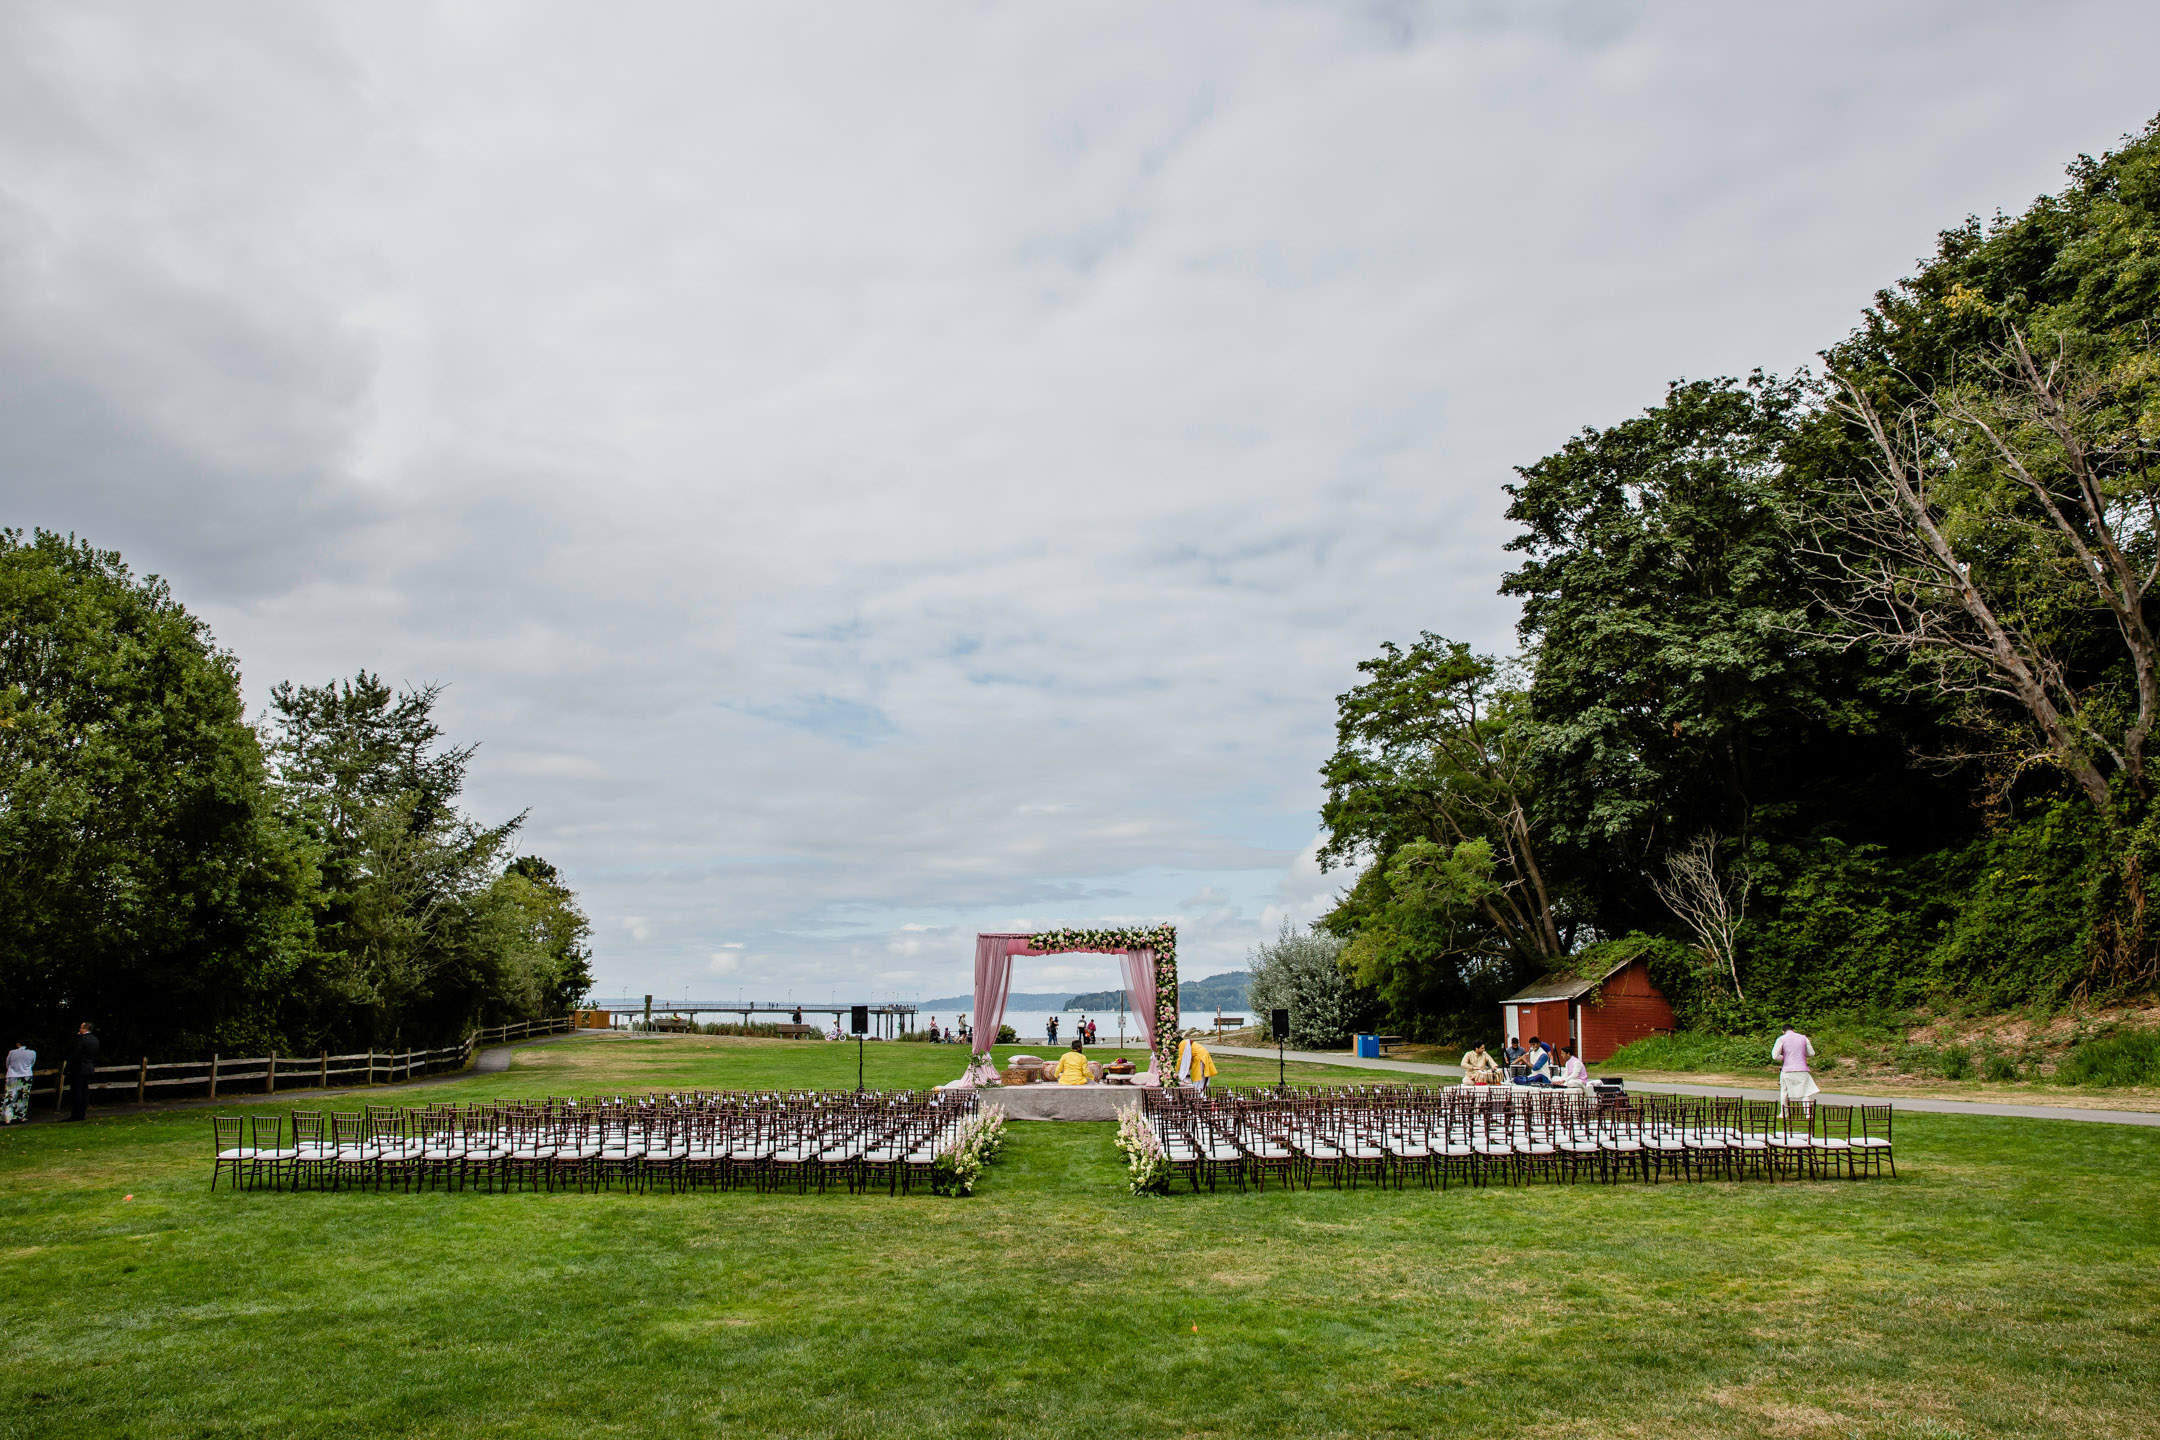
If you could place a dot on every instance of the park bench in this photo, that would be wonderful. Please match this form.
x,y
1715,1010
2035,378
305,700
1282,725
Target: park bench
x,y
798,1032
1387,1040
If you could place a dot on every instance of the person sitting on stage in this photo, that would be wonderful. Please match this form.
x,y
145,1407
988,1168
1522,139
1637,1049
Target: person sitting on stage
x,y
1540,1065
1072,1067
1574,1074
1479,1068
1195,1067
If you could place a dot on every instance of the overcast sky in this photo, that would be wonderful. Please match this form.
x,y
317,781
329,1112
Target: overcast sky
x,y
872,473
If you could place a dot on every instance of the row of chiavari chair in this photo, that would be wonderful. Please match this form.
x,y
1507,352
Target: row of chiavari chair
x,y
1509,1134
719,1140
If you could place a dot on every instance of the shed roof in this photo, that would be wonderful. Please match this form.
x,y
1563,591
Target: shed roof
x,y
1568,985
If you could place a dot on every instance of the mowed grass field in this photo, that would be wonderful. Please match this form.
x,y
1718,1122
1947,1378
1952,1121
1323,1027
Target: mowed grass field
x,y
2002,1286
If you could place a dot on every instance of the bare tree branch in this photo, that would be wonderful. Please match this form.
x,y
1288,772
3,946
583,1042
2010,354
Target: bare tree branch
x,y
1709,904
1974,580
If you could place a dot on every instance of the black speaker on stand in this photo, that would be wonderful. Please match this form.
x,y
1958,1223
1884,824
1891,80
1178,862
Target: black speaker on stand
x,y
858,1026
1279,1022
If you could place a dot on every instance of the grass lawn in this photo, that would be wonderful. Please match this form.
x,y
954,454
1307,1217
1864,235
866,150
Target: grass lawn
x,y
2001,1286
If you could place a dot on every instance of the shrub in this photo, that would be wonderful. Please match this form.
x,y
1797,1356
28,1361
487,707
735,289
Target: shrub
x,y
1298,972
1007,1035
1694,1051
1997,1066
2130,1057
1955,1062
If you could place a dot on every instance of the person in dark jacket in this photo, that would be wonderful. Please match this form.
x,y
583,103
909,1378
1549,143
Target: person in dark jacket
x,y
81,1066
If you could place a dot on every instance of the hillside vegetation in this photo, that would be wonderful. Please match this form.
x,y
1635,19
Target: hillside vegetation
x,y
1835,691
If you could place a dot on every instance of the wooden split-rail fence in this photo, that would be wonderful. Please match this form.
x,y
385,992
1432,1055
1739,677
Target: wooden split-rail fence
x,y
273,1074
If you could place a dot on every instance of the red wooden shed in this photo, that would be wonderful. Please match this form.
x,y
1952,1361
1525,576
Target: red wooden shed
x,y
1596,1012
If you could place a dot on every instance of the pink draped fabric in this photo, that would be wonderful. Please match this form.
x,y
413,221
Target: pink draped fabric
x,y
1139,968
993,979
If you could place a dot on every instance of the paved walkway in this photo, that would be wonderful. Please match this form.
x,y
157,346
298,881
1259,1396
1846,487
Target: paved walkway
x,y
1921,1103
491,1061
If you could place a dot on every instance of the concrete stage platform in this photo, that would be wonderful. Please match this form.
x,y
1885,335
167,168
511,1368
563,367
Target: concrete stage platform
x,y
1061,1102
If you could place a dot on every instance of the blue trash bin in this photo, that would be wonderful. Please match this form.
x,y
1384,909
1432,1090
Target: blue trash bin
x,y
1368,1047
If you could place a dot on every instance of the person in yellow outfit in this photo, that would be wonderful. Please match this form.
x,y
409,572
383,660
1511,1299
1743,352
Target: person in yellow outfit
x,y
1073,1067
1195,1067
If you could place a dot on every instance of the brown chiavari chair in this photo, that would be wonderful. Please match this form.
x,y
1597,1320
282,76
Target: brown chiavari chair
x,y
1871,1147
227,1150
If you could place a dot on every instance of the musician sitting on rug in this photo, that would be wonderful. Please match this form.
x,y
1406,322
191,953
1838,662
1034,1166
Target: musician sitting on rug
x,y
1072,1067
1479,1068
1195,1067
1540,1060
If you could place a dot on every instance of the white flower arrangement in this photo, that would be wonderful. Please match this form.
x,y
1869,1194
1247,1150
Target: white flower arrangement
x,y
987,1134
959,1165
1147,1168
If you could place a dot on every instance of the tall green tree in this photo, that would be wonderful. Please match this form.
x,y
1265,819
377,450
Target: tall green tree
x,y
553,961
1431,789
412,937
146,881
1682,689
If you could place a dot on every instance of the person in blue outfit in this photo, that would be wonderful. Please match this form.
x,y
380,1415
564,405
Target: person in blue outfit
x,y
1540,1064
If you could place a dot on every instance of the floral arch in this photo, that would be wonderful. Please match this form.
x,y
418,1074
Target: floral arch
x,y
1149,958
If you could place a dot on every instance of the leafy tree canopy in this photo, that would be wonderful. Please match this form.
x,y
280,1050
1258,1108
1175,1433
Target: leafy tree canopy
x,y
145,883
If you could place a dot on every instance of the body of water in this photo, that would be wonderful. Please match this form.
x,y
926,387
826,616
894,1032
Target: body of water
x,y
1028,1024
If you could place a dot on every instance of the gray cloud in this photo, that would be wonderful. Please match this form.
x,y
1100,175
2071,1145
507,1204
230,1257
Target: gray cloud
x,y
873,473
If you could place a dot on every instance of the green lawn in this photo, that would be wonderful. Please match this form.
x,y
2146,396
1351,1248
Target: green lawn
x,y
2002,1286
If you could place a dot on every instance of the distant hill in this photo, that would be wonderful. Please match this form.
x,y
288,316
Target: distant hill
x,y
1017,1000
1226,990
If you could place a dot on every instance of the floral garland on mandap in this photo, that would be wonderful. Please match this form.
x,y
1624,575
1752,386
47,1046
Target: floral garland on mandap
x,y
1162,939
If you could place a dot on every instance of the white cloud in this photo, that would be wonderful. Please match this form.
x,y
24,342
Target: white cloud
x,y
874,474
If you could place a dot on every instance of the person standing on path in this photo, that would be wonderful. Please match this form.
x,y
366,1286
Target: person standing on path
x,y
1792,1051
15,1101
81,1067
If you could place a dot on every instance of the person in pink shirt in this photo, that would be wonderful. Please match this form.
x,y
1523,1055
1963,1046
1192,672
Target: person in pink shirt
x,y
1574,1074
1792,1051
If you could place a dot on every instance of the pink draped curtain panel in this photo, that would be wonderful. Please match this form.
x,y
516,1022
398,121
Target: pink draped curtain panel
x,y
1140,989
993,980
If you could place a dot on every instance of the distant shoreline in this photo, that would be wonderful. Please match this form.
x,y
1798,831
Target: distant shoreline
x,y
1226,990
